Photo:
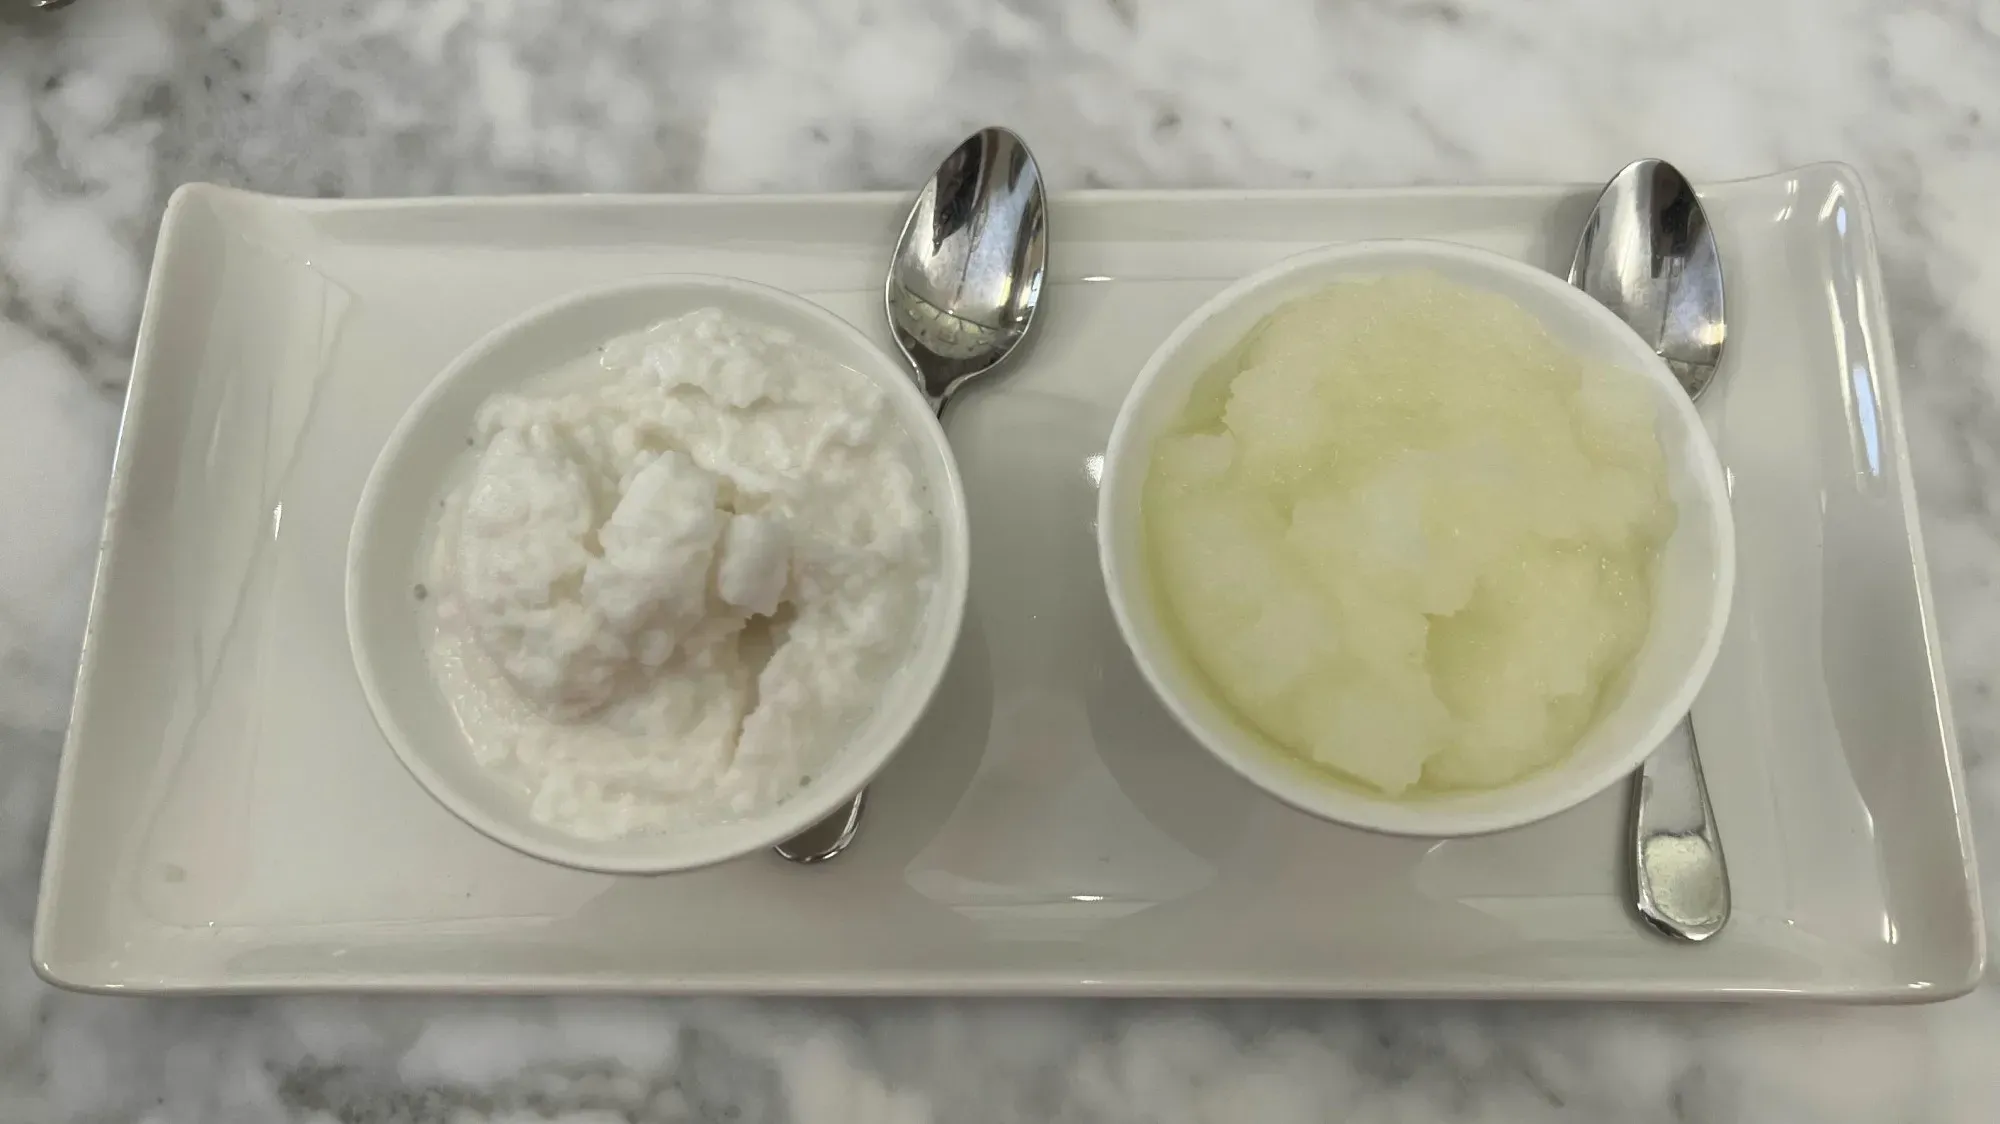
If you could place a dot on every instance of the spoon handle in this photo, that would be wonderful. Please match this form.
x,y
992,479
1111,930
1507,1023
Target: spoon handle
x,y
1677,866
828,837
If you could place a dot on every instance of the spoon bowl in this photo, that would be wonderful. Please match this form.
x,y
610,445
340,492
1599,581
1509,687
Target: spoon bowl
x,y
962,291
966,279
1648,255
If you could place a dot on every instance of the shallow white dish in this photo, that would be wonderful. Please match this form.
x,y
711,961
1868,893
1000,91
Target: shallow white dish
x,y
398,506
229,819
1696,570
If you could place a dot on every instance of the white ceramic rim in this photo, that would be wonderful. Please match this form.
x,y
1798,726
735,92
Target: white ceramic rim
x,y
1351,806
690,849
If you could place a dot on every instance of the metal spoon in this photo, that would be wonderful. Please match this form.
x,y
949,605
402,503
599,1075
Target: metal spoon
x,y
962,291
1648,254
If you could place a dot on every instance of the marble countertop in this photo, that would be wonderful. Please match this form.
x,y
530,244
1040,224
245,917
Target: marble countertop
x,y
106,106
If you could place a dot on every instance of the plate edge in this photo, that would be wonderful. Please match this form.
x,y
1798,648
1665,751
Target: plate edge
x,y
1089,196
1873,307
138,387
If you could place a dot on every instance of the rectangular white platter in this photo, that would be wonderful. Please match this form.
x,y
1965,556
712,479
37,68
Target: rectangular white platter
x,y
229,820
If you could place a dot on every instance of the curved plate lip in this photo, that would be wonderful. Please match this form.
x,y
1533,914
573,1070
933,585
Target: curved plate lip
x,y
690,849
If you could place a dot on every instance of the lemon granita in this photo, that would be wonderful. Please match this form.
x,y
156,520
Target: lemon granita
x,y
1409,536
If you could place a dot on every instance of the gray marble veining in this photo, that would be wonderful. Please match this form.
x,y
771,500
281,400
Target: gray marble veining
x,y
107,105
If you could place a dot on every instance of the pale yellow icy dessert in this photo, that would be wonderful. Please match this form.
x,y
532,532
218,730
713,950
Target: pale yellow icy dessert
x,y
1407,535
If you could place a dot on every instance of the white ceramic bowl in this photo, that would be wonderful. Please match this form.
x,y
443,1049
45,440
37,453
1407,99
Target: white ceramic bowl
x,y
392,525
1692,591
